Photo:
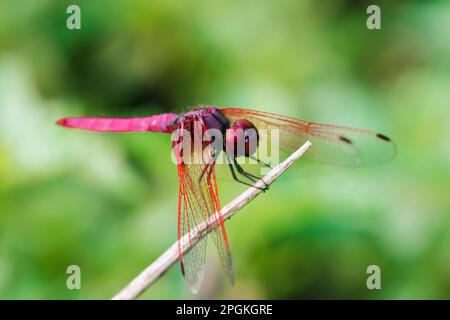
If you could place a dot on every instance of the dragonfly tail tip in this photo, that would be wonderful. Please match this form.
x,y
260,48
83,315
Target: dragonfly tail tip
x,y
62,122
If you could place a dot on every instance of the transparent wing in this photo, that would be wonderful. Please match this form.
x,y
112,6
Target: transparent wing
x,y
189,216
331,145
198,200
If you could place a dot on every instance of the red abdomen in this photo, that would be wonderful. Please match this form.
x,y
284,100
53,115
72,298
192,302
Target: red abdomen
x,y
158,123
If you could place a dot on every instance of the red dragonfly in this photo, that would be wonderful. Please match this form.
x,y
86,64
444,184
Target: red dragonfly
x,y
198,195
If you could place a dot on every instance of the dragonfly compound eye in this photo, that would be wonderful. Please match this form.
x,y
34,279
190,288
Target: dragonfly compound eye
x,y
241,139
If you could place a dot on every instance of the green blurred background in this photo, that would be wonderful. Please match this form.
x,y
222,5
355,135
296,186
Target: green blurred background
x,y
108,202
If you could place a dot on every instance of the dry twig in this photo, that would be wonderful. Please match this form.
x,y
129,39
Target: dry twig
x,y
168,258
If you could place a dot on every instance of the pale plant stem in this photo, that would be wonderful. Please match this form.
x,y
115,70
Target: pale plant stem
x,y
154,271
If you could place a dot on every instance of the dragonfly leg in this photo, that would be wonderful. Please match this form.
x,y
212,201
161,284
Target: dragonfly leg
x,y
259,161
209,166
248,175
240,181
230,165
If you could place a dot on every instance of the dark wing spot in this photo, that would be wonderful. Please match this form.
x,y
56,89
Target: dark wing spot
x,y
383,137
345,139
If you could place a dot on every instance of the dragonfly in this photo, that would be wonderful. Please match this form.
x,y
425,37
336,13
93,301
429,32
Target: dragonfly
x,y
198,196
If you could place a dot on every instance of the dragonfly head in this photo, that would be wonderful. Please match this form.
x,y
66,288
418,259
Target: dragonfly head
x,y
241,139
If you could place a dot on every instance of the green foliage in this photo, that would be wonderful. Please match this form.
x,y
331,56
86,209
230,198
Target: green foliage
x,y
107,202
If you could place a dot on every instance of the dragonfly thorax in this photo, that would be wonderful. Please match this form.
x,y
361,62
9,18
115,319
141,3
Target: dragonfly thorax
x,y
239,138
